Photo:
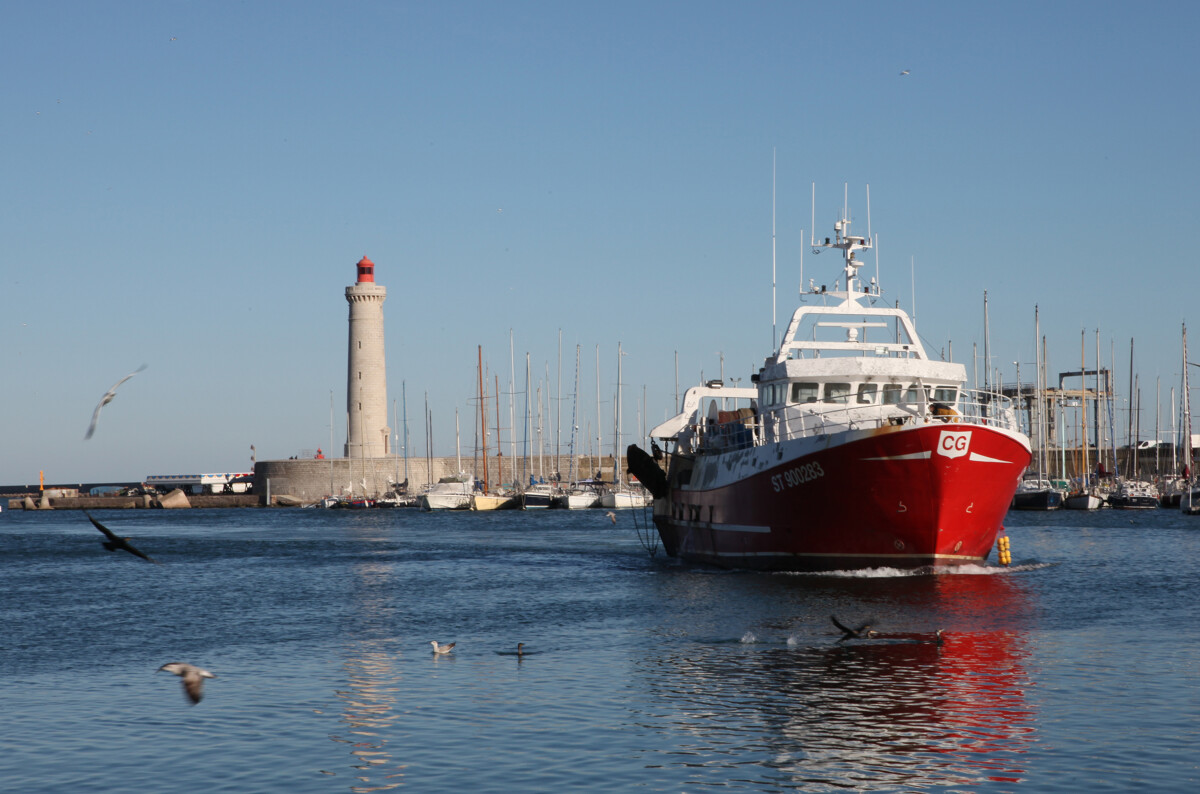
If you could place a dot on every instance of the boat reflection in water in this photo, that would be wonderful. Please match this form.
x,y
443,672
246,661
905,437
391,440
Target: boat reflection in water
x,y
369,711
892,713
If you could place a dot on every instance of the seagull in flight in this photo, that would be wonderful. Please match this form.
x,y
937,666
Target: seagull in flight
x,y
439,648
904,73
612,516
863,632
193,678
114,543
106,399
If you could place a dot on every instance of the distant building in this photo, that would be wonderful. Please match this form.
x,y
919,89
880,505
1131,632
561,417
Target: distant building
x,y
225,482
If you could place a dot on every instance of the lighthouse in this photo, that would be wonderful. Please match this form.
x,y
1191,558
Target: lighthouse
x,y
366,368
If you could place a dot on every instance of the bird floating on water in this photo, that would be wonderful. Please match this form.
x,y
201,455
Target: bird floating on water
x,y
862,632
193,678
106,399
439,648
115,543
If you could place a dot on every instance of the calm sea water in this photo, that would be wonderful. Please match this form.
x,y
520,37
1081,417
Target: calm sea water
x,y
1077,668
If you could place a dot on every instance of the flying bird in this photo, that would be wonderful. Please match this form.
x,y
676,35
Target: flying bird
x,y
193,678
114,543
611,516
862,632
904,73
106,399
439,648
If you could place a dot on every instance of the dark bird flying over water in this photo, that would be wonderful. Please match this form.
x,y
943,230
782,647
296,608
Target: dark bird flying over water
x,y
106,399
114,543
861,633
193,678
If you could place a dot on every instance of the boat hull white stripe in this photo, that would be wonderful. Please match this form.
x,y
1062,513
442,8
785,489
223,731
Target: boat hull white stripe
x,y
911,456
723,527
985,459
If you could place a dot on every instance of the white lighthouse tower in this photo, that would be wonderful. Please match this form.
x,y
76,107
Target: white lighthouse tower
x,y
366,368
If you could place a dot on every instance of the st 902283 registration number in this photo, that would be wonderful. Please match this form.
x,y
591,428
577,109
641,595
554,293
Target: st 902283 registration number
x,y
797,475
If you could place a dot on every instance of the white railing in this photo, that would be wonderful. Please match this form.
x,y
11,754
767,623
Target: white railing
x,y
788,422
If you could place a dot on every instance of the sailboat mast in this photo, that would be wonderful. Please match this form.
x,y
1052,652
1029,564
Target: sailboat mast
x,y
525,467
483,420
574,421
617,433
1187,430
499,447
404,401
558,420
428,442
1129,429
599,446
1039,388
512,396
1099,408
1083,403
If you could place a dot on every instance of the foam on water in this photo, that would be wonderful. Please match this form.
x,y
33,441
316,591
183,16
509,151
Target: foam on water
x,y
907,573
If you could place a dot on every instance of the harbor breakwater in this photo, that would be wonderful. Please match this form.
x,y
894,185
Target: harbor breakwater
x,y
309,480
285,483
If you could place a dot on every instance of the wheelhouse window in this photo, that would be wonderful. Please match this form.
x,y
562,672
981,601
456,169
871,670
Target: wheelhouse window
x,y
805,392
868,393
837,392
892,394
945,395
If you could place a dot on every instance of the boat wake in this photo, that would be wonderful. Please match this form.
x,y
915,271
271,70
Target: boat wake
x,y
906,573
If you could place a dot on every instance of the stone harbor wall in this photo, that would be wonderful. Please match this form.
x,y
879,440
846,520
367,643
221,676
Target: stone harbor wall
x,y
310,479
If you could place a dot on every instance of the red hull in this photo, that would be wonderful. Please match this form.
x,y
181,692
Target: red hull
x,y
900,497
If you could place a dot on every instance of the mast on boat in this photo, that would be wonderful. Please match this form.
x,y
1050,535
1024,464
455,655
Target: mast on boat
x,y
1189,485
1083,402
499,446
574,421
483,420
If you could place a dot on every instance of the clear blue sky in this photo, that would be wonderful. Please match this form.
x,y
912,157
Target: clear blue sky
x,y
189,184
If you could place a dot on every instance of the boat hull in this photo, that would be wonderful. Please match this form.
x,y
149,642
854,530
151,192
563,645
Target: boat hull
x,y
623,500
1038,500
1137,502
580,501
484,502
1084,501
537,500
445,501
904,497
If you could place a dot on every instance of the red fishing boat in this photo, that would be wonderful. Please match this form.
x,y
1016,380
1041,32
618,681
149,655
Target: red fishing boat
x,y
853,449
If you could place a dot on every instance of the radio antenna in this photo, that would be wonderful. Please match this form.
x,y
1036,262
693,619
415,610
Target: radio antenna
x,y
801,262
912,279
868,210
774,334
813,229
